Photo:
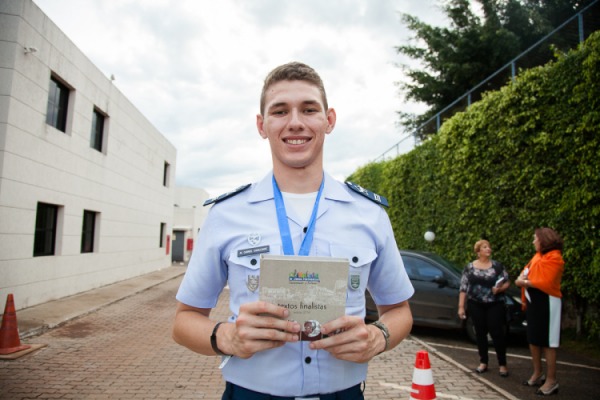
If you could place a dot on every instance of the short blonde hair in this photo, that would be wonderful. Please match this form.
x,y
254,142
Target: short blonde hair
x,y
480,243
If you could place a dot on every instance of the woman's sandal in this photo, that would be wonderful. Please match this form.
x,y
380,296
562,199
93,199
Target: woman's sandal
x,y
549,392
537,382
481,370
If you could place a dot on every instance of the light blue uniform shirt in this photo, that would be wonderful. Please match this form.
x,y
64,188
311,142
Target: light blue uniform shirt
x,y
348,225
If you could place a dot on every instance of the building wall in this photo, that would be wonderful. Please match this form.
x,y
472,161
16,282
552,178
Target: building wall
x,y
124,182
188,217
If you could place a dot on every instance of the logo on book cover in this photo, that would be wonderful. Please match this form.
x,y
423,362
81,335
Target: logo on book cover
x,y
311,331
311,277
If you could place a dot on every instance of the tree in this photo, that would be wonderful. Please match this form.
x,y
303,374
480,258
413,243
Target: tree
x,y
457,58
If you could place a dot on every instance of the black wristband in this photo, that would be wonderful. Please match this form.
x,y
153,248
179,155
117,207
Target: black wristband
x,y
213,340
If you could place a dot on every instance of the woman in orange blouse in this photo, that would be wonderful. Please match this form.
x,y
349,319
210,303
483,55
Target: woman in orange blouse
x,y
540,288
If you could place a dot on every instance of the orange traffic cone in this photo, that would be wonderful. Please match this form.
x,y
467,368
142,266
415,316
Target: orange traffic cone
x,y
9,332
422,383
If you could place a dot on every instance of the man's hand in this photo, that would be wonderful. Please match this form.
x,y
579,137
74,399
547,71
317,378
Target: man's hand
x,y
259,326
350,339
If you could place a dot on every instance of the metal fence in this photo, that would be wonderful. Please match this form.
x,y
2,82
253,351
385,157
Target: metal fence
x,y
567,36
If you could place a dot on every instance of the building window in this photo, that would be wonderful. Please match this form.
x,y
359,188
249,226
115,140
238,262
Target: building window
x,y
45,230
58,102
97,135
163,228
88,231
166,174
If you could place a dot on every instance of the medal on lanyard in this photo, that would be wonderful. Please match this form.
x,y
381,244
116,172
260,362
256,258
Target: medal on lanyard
x,y
284,226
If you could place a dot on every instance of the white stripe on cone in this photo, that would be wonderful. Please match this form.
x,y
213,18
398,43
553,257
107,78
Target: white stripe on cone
x,y
422,377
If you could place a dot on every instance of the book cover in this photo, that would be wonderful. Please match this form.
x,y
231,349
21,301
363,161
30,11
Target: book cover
x,y
500,281
312,288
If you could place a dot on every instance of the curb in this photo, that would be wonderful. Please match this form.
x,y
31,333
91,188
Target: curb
x,y
36,320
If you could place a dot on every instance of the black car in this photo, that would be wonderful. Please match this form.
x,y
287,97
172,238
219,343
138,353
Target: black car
x,y
435,302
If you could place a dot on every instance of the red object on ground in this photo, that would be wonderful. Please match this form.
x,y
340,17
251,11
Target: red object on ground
x,y
9,332
422,383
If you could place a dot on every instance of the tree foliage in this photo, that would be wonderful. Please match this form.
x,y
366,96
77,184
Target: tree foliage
x,y
524,156
455,59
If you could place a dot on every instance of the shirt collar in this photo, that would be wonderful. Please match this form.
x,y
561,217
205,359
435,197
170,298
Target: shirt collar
x,y
332,190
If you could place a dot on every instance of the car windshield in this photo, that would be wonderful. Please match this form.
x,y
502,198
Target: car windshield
x,y
445,262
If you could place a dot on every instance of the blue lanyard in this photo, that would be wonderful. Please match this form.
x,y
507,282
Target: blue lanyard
x,y
284,226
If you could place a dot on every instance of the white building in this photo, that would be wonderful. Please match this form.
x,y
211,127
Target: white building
x,y
86,182
188,217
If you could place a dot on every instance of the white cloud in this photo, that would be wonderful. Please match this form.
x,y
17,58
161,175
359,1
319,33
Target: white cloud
x,y
194,68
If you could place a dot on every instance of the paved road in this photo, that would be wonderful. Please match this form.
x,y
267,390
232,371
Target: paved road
x,y
578,375
124,351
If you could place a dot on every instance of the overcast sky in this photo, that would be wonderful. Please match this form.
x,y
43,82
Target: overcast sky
x,y
195,69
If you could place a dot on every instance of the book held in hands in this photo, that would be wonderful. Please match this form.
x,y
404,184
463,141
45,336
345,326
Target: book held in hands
x,y
500,281
313,289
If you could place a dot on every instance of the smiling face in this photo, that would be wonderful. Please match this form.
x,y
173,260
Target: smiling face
x,y
295,122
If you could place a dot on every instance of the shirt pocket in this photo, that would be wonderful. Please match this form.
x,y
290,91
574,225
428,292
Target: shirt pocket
x,y
244,273
360,259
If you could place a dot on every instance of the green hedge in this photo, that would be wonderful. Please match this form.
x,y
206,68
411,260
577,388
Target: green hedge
x,y
523,157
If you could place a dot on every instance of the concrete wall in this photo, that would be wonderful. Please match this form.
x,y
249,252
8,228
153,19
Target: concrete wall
x,y
188,216
38,163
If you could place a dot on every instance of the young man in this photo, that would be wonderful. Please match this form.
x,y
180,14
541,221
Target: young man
x,y
296,209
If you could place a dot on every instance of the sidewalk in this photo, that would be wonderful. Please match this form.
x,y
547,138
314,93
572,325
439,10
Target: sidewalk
x,y
38,319
389,377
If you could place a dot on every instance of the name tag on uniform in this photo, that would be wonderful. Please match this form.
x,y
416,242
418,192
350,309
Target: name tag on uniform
x,y
253,251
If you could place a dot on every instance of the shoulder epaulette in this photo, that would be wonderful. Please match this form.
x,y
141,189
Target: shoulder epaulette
x,y
227,195
368,194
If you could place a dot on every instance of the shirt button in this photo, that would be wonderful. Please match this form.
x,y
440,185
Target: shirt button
x,y
307,360
253,261
355,259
